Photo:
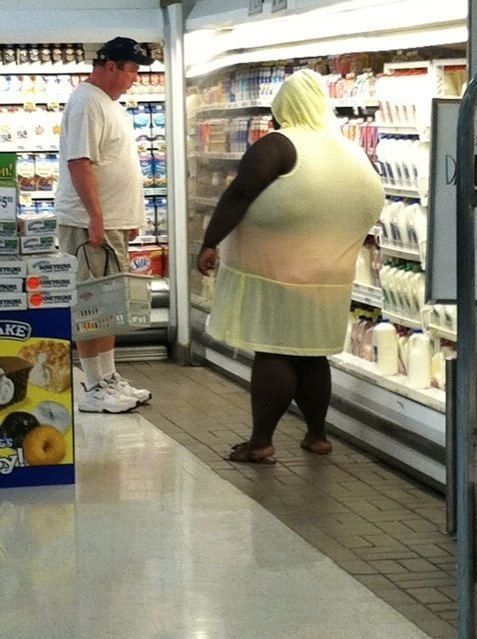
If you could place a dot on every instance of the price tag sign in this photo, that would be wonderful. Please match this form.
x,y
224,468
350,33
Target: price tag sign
x,y
279,5
254,7
8,203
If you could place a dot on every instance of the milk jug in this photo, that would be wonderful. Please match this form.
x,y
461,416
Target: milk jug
x,y
385,348
419,360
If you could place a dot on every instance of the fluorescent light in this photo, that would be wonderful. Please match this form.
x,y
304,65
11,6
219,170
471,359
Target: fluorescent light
x,y
349,26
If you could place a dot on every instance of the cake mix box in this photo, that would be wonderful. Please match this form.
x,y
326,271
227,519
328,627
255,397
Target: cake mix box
x,y
36,407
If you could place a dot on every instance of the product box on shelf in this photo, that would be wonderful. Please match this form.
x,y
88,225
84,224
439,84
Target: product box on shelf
x,y
51,264
37,244
48,282
37,224
9,246
147,260
61,298
13,302
8,228
36,406
12,267
11,285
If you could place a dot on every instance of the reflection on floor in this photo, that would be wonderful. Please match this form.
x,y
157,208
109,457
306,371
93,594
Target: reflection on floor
x,y
152,544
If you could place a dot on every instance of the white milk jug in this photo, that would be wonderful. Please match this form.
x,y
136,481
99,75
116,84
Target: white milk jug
x,y
419,360
385,348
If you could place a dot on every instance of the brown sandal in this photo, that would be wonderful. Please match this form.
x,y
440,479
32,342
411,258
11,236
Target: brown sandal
x,y
318,446
243,453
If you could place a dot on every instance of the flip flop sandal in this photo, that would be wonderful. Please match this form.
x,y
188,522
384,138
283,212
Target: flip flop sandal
x,y
325,449
242,453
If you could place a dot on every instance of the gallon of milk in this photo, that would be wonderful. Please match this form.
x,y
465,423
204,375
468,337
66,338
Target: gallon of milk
x,y
419,360
385,348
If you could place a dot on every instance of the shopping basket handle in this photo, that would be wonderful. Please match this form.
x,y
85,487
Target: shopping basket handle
x,y
108,249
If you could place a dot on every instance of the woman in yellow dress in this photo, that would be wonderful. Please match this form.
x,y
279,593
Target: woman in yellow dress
x,y
290,227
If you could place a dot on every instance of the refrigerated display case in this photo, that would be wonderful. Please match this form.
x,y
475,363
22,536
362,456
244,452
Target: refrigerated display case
x,y
381,88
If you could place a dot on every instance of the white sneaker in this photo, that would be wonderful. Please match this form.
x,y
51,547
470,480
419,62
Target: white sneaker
x,y
104,398
141,395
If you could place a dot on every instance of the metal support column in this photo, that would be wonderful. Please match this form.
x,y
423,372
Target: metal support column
x,y
177,180
466,362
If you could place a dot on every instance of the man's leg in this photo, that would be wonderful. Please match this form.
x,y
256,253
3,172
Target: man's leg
x,y
90,352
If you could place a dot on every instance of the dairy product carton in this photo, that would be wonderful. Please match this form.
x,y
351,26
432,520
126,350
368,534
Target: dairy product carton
x,y
11,285
13,267
37,224
13,301
37,244
62,298
49,282
8,228
9,245
56,263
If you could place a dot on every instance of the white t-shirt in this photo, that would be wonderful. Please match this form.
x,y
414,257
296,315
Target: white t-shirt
x,y
96,127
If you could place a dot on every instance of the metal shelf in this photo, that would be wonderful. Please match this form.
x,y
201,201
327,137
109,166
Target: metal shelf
x,y
205,201
220,156
371,295
399,192
401,320
431,397
235,106
354,103
405,254
439,331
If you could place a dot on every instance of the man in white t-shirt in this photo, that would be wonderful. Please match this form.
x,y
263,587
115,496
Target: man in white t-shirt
x,y
100,198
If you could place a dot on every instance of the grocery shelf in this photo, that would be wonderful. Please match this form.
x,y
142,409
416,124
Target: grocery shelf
x,y
354,103
405,254
399,192
37,195
370,295
155,190
439,331
205,201
398,129
431,397
262,103
220,156
401,319
7,99
60,68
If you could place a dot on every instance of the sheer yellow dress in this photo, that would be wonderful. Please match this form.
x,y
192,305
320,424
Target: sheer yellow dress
x,y
286,272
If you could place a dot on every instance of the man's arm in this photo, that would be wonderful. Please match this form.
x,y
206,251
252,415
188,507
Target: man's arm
x,y
84,182
267,159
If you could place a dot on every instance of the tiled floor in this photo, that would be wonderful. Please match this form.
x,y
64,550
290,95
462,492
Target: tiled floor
x,y
379,526
151,544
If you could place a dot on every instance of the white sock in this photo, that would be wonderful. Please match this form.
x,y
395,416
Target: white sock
x,y
92,369
108,367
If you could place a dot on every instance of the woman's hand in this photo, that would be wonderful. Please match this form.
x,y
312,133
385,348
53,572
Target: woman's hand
x,y
207,260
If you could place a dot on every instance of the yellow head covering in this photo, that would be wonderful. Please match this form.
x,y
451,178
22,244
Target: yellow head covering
x,y
302,101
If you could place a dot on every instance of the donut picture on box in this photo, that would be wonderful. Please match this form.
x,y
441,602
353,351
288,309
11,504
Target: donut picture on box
x,y
36,407
50,360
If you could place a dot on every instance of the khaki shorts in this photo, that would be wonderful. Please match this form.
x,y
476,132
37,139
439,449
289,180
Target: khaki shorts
x,y
70,237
